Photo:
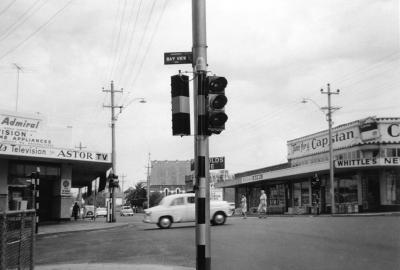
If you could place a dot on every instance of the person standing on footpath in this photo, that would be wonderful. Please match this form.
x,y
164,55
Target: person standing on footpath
x,y
262,207
75,211
243,206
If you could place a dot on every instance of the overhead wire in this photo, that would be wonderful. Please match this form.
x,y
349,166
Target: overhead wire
x,y
143,35
7,7
131,38
118,41
22,18
149,44
37,30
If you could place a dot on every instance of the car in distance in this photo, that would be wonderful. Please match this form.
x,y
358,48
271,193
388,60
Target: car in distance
x,y
101,212
126,211
179,208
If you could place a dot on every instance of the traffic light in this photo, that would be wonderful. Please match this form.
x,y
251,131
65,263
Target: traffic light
x,y
180,105
215,89
113,180
315,182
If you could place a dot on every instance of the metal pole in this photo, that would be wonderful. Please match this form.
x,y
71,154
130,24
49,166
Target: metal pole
x,y
148,183
331,172
331,167
202,187
113,153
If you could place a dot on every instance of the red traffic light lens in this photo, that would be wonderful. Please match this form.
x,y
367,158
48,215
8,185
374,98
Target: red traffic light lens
x,y
217,84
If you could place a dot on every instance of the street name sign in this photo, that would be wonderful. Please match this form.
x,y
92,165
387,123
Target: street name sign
x,y
171,58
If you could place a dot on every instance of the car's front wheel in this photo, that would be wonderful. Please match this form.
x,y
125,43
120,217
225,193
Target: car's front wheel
x,y
164,222
219,218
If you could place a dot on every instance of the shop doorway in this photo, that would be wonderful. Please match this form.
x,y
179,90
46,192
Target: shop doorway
x,y
373,193
46,199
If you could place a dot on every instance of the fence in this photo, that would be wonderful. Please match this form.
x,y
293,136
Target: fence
x,y
17,237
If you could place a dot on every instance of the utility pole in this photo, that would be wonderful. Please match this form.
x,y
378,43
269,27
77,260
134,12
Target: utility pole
x,y
148,181
201,153
113,152
330,110
19,68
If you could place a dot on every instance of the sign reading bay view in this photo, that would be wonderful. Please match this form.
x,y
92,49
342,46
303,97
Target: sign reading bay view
x,y
172,58
365,162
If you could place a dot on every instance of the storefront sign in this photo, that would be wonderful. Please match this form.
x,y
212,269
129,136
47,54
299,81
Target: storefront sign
x,y
56,153
365,162
364,131
320,142
66,187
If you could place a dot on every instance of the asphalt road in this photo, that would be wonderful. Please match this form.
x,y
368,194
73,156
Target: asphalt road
x,y
272,243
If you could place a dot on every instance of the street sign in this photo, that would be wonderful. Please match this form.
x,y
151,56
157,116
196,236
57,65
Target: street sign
x,y
216,163
171,58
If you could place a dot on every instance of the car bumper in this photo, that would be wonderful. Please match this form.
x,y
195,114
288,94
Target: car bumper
x,y
147,219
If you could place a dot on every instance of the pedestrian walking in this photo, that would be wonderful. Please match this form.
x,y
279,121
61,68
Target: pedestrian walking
x,y
243,206
262,207
75,211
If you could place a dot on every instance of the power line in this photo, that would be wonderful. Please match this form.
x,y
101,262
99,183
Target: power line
x,y
144,33
118,40
37,30
149,44
21,19
7,7
131,39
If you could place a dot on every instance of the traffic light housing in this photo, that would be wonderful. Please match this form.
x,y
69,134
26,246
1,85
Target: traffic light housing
x,y
315,182
215,90
180,105
113,181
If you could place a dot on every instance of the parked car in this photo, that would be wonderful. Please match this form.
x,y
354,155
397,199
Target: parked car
x,y
101,212
181,208
232,207
126,211
88,211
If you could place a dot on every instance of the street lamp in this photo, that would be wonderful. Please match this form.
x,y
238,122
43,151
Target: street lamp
x,y
330,110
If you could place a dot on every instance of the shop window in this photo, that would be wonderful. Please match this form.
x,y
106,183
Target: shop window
x,y
393,188
391,152
346,191
305,193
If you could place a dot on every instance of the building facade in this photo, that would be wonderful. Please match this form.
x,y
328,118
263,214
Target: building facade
x,y
28,145
366,172
168,177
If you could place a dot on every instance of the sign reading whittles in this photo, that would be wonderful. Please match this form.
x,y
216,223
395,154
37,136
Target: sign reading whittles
x,y
366,162
367,130
27,135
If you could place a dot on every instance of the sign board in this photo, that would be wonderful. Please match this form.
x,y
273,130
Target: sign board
x,y
171,58
365,162
66,187
216,163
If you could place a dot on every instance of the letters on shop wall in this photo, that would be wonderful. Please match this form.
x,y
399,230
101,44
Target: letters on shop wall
x,y
368,130
27,135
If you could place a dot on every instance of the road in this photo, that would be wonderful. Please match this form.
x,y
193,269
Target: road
x,y
252,243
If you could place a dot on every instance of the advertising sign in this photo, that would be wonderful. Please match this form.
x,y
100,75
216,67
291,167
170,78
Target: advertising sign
x,y
366,162
66,187
216,163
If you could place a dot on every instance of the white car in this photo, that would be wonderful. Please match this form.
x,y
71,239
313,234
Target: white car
x,y
101,211
181,208
126,211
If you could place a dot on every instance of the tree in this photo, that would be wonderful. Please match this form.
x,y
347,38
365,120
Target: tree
x,y
136,196
155,198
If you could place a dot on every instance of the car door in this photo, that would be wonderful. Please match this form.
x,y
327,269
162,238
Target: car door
x,y
177,209
190,209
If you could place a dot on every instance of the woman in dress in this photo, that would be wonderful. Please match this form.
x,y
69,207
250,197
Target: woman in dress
x,y
243,206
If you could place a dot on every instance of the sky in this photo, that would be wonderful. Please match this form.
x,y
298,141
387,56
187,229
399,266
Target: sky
x,y
273,54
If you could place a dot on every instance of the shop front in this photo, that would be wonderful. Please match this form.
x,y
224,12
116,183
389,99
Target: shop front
x,y
366,172
27,148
